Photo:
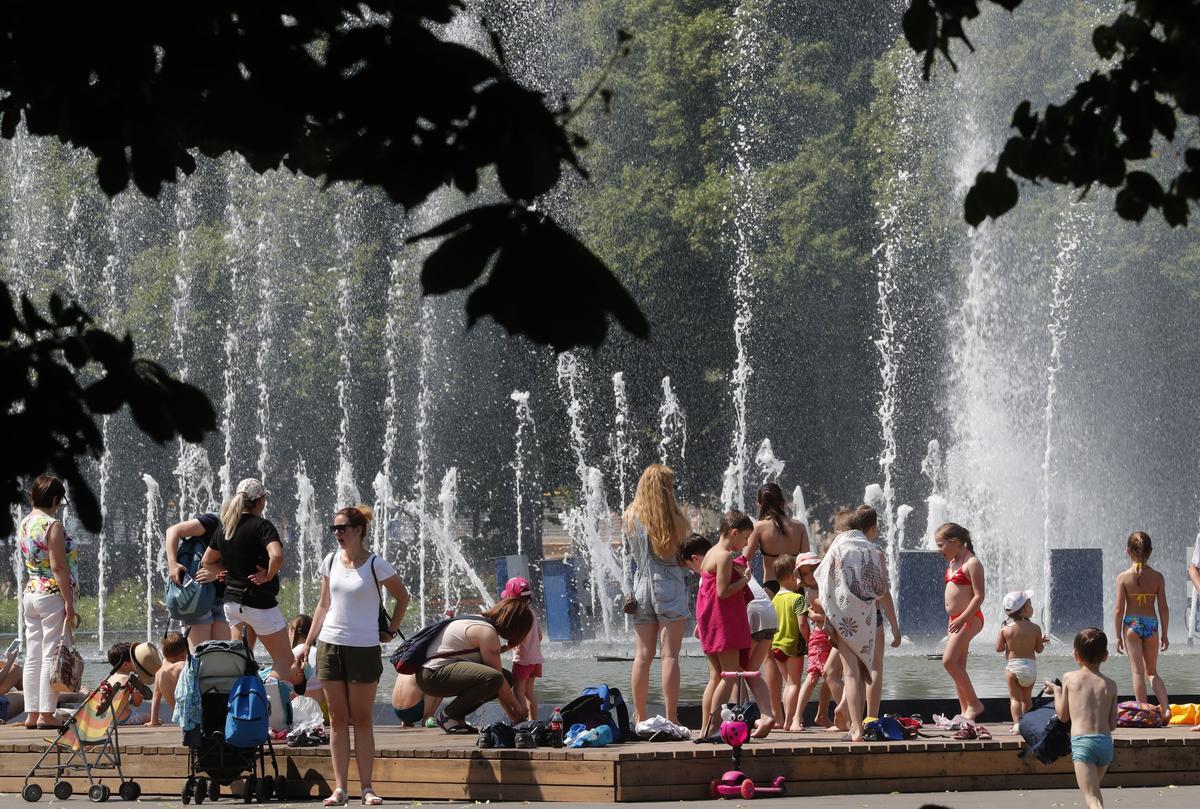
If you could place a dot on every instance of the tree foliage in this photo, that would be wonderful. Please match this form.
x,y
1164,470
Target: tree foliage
x,y
1107,128
49,414
371,91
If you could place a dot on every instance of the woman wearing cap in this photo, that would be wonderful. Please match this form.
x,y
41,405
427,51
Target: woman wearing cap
x,y
527,655
656,528
51,564
248,553
345,628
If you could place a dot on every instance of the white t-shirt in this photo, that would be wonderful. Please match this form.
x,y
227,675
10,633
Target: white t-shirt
x,y
1196,552
352,619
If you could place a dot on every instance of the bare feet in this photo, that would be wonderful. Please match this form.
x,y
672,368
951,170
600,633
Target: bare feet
x,y
797,727
974,712
763,727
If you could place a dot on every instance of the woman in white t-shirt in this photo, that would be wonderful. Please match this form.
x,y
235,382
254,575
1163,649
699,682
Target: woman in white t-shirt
x,y
346,631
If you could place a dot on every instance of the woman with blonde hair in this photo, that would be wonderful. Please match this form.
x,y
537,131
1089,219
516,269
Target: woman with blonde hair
x,y
248,552
656,528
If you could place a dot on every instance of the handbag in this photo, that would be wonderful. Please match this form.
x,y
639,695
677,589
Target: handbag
x,y
630,607
384,620
67,671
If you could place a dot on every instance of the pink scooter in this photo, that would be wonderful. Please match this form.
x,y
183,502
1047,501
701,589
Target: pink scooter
x,y
735,732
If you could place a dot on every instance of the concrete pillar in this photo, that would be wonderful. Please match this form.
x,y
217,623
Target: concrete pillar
x,y
1076,591
920,603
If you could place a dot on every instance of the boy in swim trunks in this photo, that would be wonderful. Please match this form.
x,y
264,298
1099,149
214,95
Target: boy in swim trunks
x,y
1020,640
1088,700
791,636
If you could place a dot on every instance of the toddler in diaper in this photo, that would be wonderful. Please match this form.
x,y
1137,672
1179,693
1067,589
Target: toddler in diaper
x,y
1020,640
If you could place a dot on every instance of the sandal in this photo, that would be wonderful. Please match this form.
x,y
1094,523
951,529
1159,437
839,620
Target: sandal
x,y
338,798
369,798
455,730
982,733
966,734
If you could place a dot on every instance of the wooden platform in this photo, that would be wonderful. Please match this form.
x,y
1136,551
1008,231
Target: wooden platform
x,y
427,764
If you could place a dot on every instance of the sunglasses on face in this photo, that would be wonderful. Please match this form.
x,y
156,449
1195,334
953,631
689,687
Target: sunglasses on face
x,y
337,529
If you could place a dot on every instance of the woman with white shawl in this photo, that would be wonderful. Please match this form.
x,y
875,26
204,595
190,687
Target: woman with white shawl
x,y
850,581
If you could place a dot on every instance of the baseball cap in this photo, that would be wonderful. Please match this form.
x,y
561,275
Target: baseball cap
x,y
807,558
1015,600
517,587
252,488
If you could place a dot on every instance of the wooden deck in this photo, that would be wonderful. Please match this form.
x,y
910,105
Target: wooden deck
x,y
429,765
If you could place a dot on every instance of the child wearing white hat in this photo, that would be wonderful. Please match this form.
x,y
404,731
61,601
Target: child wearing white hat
x,y
1020,640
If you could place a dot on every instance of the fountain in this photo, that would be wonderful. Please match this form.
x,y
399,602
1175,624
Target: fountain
x,y
235,242
347,489
308,533
672,425
445,543
800,512
524,424
624,453
267,258
770,468
152,537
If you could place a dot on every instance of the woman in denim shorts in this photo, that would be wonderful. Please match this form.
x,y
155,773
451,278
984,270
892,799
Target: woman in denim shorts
x,y
656,527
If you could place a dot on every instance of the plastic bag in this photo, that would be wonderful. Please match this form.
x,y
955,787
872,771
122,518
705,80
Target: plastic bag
x,y
306,712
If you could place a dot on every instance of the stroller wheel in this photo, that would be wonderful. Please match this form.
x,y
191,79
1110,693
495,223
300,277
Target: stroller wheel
x,y
96,793
130,790
214,791
32,793
201,790
263,793
281,788
185,794
249,789
63,790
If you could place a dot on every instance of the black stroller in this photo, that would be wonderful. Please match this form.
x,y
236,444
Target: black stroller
x,y
212,763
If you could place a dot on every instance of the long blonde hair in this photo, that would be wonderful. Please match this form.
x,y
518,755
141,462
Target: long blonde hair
x,y
655,507
231,512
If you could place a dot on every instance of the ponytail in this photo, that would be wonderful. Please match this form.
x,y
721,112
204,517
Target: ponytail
x,y
954,531
231,514
1139,548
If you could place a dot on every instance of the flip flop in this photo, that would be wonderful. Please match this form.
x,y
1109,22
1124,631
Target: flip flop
x,y
338,798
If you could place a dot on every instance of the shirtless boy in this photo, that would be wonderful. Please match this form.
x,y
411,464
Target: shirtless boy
x,y
1088,700
175,652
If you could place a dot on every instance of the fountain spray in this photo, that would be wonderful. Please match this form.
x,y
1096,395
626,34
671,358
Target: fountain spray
x,y
524,423
672,424
152,540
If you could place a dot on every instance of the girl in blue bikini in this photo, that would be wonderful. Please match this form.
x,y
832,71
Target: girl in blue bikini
x,y
1141,608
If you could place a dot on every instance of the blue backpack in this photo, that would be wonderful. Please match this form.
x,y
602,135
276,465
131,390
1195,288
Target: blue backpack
x,y
248,721
192,600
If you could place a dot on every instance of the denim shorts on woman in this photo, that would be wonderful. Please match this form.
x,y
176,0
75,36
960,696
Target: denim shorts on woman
x,y
351,664
662,596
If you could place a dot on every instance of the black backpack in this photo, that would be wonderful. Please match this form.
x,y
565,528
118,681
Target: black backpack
x,y
411,655
597,706
1047,738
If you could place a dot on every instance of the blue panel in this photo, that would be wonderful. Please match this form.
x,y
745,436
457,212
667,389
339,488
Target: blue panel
x,y
562,607
1076,591
921,606
501,573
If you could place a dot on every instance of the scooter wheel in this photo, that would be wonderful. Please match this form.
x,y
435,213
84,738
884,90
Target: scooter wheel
x,y
130,791
32,793
714,788
747,789
63,790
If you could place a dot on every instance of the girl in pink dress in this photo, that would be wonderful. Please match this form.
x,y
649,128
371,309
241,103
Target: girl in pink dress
x,y
721,621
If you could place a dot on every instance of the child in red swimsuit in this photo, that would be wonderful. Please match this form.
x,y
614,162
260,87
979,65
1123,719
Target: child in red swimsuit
x,y
964,599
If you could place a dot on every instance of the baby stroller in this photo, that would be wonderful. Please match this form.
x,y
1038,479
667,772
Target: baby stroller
x,y
215,667
88,742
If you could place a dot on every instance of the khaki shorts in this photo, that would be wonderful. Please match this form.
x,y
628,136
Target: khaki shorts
x,y
353,664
